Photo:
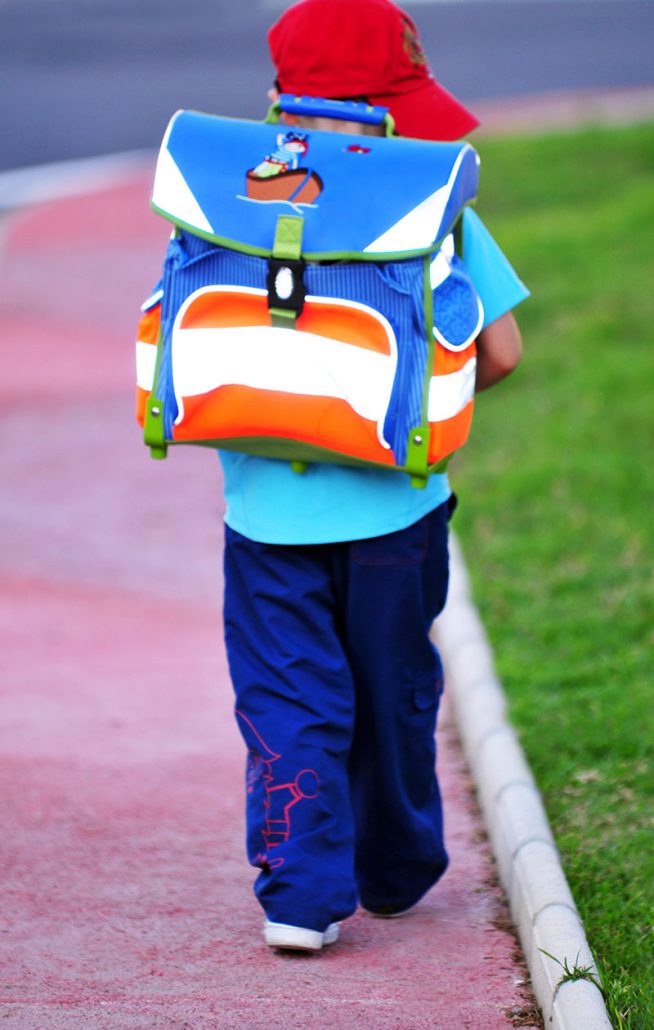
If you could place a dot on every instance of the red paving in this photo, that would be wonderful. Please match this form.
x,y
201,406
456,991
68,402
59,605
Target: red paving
x,y
126,898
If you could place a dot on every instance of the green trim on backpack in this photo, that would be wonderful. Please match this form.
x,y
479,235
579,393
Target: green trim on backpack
x,y
287,247
417,457
280,318
328,255
288,238
297,453
428,297
300,455
153,428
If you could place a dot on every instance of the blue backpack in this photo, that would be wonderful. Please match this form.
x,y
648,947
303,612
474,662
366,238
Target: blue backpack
x,y
313,305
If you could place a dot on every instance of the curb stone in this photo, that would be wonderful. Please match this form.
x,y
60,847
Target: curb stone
x,y
529,867
564,111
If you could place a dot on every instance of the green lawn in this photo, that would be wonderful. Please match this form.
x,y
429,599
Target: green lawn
x,y
557,520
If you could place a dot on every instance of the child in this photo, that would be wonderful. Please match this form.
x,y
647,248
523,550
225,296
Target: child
x,y
333,577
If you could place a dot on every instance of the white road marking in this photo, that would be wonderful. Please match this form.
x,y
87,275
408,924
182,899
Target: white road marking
x,y
40,183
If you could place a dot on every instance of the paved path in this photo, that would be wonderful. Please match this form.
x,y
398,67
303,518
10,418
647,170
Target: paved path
x,y
126,898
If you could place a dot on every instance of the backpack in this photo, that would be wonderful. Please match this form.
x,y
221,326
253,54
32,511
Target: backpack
x,y
313,304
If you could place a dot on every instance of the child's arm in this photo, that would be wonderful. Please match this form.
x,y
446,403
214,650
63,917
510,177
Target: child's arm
x,y
499,349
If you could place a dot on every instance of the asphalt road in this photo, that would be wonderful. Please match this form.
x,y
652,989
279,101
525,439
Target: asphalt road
x,y
86,77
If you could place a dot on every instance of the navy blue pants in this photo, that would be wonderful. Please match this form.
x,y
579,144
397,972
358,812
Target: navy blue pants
x,y
337,689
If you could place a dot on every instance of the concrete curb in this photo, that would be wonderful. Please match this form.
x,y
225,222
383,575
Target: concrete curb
x,y
564,111
528,863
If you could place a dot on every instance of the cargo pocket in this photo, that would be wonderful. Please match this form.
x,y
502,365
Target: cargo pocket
x,y
427,696
423,705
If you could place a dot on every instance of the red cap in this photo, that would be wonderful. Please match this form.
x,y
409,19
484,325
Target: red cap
x,y
367,48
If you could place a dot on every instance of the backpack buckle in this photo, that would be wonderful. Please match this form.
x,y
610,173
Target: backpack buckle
x,y
285,283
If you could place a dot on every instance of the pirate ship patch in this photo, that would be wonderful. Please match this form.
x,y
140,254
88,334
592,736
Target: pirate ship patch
x,y
281,176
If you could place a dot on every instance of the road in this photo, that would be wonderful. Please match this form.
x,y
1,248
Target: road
x,y
87,77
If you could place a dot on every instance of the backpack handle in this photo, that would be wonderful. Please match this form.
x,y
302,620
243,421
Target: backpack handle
x,y
342,110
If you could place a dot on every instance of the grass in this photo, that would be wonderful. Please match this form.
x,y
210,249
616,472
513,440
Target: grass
x,y
557,520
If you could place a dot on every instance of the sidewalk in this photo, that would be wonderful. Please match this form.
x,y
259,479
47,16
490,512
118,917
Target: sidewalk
x,y
126,895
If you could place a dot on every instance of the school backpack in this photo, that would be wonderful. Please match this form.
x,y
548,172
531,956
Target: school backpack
x,y
313,304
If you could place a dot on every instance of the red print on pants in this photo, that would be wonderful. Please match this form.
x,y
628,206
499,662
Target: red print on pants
x,y
280,798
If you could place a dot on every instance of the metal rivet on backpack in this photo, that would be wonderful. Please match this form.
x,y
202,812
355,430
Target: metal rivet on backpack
x,y
417,440
156,412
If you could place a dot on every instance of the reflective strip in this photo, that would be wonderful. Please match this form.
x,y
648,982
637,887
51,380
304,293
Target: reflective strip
x,y
146,359
151,301
172,194
441,266
420,226
282,360
416,229
449,394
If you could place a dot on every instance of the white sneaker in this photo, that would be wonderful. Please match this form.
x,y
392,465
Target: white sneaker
x,y
298,938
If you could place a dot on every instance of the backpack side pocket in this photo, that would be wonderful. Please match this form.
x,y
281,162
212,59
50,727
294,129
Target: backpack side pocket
x,y
147,337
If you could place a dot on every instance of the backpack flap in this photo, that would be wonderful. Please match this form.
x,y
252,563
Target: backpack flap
x,y
361,197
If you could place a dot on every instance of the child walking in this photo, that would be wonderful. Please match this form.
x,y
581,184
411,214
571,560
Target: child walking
x,y
333,577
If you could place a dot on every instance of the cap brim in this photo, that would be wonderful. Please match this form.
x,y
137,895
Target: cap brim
x,y
429,112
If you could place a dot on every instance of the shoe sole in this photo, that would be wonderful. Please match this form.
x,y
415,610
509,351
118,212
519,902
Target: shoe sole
x,y
390,915
298,938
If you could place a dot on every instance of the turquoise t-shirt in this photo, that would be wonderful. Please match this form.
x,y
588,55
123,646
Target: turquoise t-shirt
x,y
268,502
